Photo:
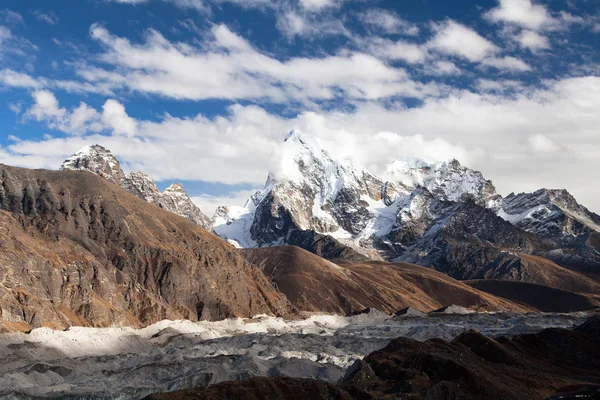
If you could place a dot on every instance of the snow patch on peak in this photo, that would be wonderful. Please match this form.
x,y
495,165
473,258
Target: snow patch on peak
x,y
101,161
98,160
175,188
447,180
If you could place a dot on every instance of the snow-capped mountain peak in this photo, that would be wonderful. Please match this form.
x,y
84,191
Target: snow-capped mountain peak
x,y
98,160
101,161
447,180
549,213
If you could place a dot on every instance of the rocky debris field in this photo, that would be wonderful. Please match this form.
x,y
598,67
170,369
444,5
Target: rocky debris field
x,y
125,363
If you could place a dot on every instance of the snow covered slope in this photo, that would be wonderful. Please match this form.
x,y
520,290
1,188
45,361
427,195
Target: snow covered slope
x,y
101,161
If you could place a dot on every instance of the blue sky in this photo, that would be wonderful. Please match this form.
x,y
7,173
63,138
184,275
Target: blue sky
x,y
204,91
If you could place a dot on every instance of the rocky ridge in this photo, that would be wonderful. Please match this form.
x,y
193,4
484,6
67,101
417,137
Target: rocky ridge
x,y
76,249
101,161
441,215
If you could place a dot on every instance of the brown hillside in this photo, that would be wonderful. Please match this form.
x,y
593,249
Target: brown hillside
x,y
312,283
541,297
77,249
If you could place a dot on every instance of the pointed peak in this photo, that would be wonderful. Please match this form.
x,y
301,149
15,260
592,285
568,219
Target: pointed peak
x,y
297,139
294,134
175,187
96,159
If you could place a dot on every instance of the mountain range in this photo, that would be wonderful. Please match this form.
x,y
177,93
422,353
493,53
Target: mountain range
x,y
440,215
88,244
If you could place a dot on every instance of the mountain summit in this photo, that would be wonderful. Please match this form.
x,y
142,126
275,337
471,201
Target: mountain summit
x,y
101,161
441,215
314,191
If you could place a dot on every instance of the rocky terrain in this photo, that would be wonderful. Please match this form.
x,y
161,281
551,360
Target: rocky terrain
x,y
125,363
101,161
558,362
76,249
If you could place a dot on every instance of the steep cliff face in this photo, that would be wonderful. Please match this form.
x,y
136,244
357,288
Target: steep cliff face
x,y
102,162
77,249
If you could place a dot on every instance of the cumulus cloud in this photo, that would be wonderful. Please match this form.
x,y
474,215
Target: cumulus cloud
x,y
459,40
114,116
509,138
233,69
80,120
533,40
523,13
388,22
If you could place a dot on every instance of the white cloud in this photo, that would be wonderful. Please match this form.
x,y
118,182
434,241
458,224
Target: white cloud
x,y
114,116
15,45
46,109
11,17
233,69
509,138
208,204
317,5
46,106
541,144
523,13
12,78
459,40
294,23
48,17
508,63
500,86
388,21
396,50
441,68
197,5
533,40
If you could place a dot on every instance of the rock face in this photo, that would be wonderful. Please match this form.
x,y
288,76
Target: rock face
x,y
102,162
78,250
442,215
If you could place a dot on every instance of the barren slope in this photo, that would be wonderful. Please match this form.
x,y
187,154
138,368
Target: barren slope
x,y
78,249
315,284
541,297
